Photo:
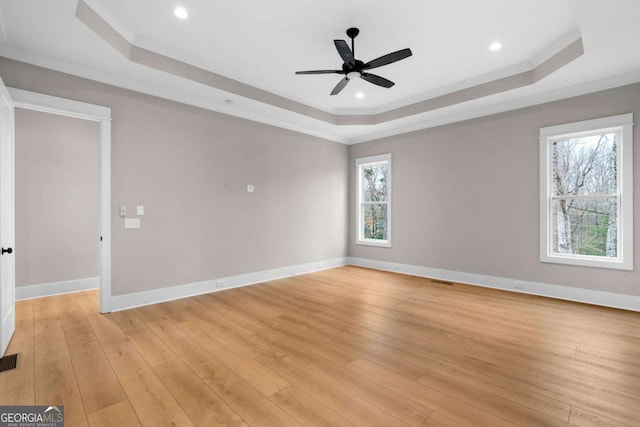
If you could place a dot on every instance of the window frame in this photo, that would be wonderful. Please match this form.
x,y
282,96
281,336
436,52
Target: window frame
x,y
360,164
623,124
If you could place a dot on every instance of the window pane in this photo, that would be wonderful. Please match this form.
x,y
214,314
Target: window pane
x,y
374,183
585,226
585,165
375,221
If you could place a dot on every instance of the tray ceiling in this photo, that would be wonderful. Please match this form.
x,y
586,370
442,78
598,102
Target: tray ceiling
x,y
240,57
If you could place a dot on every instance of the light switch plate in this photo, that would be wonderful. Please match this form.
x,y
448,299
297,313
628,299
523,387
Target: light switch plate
x,y
250,188
139,210
132,223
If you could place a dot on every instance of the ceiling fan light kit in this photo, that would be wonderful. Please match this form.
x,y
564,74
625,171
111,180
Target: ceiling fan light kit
x,y
353,68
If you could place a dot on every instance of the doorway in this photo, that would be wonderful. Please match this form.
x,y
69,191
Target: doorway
x,y
102,116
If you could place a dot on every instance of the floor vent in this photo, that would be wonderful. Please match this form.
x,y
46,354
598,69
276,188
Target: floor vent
x,y
8,362
442,282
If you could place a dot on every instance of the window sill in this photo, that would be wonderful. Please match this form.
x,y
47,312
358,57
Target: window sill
x,y
378,243
588,261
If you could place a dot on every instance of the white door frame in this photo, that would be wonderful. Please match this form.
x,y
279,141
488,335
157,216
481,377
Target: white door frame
x,y
7,219
97,113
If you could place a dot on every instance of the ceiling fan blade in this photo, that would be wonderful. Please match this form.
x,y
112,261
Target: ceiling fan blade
x,y
341,84
376,80
345,52
320,72
388,59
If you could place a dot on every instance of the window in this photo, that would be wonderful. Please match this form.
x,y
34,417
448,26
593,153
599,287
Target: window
x,y
586,194
374,200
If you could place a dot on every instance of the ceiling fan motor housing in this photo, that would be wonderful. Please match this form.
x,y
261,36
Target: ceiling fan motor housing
x,y
358,66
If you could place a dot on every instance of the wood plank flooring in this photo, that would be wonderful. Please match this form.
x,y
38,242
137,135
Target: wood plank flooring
x,y
342,347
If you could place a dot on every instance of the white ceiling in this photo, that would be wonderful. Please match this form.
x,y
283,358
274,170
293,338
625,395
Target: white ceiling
x,y
263,43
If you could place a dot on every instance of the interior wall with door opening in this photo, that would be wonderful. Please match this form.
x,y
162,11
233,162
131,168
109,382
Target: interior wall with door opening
x,y
57,203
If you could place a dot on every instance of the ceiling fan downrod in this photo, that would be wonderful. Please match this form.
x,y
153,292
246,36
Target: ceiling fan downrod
x,y
352,33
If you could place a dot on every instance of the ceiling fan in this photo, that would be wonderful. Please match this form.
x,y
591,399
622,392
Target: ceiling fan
x,y
352,67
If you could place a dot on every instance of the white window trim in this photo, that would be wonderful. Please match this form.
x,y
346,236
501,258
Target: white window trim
x,y
360,163
624,124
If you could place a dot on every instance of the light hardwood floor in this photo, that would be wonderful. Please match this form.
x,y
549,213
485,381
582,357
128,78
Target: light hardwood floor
x,y
342,347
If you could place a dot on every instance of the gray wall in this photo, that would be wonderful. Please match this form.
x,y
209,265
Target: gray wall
x,y
466,195
56,198
189,168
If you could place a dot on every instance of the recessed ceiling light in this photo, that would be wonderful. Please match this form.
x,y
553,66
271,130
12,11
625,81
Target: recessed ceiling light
x,y
495,46
181,12
359,95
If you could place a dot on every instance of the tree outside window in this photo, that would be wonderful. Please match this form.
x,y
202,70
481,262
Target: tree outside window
x,y
374,177
585,193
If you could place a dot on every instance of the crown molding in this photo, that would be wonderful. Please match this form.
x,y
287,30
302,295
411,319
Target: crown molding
x,y
550,60
248,110
448,116
305,125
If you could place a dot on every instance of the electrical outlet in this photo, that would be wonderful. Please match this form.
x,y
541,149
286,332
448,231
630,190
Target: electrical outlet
x,y
132,223
518,284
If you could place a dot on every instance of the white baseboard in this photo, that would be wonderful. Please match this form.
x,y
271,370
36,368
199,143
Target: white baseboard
x,y
137,299
56,288
602,298
123,302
